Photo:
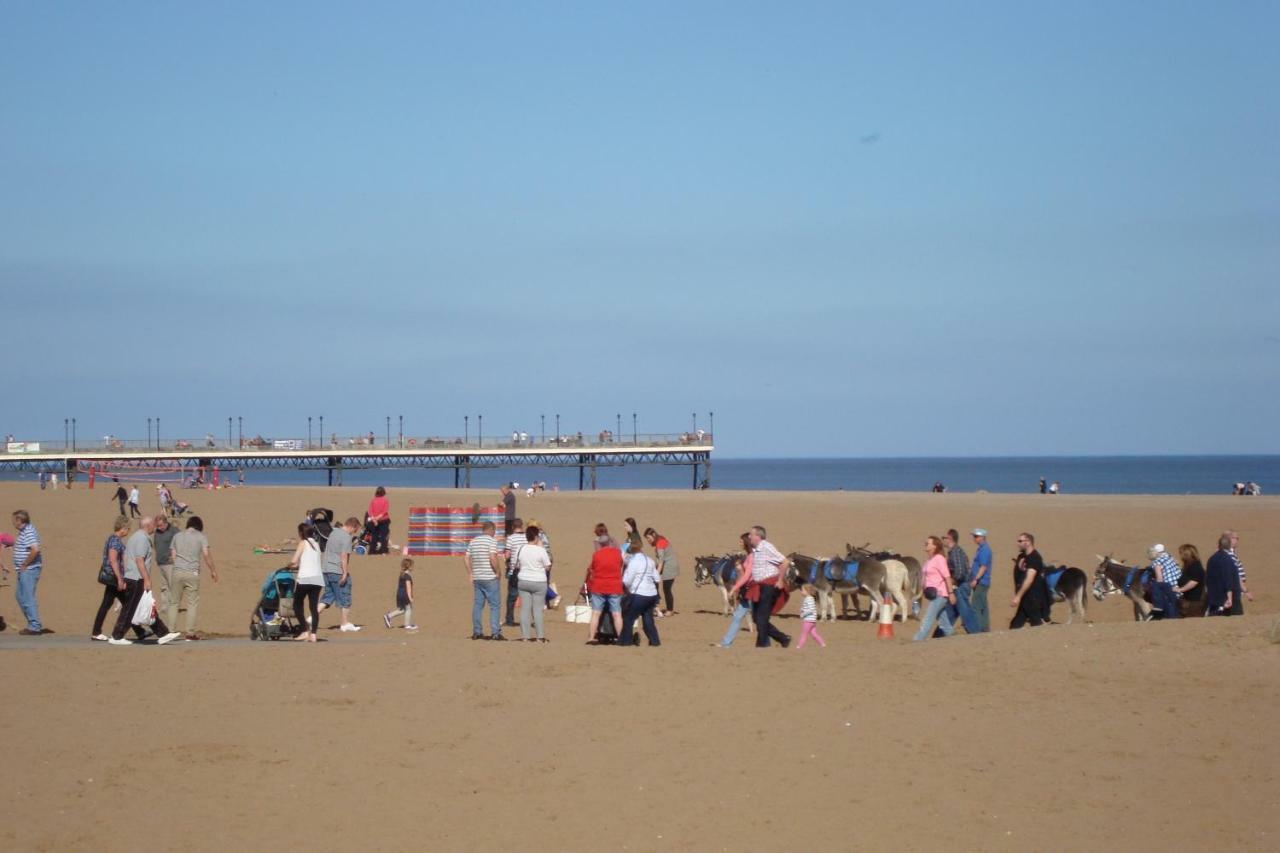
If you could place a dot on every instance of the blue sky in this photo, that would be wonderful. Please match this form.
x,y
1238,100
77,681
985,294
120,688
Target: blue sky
x,y
849,229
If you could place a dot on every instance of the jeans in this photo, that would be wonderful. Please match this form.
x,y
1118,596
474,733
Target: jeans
x,y
978,603
26,595
486,592
133,590
184,581
335,592
1163,597
739,613
639,606
762,613
965,609
533,600
935,611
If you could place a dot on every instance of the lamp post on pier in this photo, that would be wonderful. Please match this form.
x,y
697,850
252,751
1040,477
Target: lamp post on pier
x,y
228,432
66,433
466,429
712,428
543,420
73,433
148,433
480,429
619,432
557,430
240,431
388,430
402,432
322,429
695,423
308,432
634,434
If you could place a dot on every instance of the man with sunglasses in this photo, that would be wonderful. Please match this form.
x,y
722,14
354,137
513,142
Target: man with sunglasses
x,y
1029,598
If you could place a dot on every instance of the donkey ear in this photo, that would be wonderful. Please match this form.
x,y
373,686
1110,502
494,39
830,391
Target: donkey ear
x,y
1101,559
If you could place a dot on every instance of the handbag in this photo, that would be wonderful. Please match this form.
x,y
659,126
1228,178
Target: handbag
x,y
578,613
930,593
145,613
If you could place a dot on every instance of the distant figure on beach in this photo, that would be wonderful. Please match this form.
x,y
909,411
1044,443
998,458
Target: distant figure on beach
x,y
1055,487
122,497
939,488
134,498
42,478
404,598
1044,484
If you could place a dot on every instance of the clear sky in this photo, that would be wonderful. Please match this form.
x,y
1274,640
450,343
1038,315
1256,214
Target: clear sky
x,y
850,229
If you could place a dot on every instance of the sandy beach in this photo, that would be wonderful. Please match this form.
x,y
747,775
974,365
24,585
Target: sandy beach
x,y
1055,738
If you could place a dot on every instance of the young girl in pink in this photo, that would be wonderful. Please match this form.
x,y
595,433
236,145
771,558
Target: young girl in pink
x,y
809,613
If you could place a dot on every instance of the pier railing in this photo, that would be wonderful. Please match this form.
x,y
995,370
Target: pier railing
x,y
283,444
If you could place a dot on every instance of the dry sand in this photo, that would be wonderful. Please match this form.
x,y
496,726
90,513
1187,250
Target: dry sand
x,y
1112,735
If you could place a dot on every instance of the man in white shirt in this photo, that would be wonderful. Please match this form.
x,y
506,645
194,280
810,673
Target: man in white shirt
x,y
134,498
768,568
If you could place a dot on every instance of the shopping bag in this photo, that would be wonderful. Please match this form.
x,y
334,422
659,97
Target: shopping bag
x,y
145,613
578,613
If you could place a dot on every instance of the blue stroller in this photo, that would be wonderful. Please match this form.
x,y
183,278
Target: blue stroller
x,y
273,617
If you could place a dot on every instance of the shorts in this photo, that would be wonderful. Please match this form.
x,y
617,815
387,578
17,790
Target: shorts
x,y
598,601
335,593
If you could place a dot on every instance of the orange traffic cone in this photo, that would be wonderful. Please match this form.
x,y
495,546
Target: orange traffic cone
x,y
885,631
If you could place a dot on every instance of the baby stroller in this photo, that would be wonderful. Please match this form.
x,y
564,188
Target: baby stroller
x,y
272,618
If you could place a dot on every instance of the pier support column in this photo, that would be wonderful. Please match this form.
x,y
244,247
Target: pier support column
x,y
695,476
593,473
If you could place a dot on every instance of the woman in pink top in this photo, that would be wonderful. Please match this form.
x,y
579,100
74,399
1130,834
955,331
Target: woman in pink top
x,y
380,520
937,591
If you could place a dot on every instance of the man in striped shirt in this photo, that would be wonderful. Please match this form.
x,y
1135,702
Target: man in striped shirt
x,y
483,561
28,561
767,571
515,541
1237,603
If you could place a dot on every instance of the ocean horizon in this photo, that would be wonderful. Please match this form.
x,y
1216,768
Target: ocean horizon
x,y
1128,474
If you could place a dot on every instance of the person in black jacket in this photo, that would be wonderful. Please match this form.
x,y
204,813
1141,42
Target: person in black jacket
x,y
1222,580
1190,588
1030,597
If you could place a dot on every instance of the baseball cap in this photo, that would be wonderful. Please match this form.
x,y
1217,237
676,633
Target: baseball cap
x,y
979,531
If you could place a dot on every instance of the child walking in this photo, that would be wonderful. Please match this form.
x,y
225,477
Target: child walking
x,y
809,613
404,597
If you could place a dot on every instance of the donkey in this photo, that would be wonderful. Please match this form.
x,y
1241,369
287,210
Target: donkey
x,y
1112,577
837,575
1069,586
902,581
720,571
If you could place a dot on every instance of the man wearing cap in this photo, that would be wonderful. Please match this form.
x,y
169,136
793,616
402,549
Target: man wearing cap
x,y
980,580
1167,572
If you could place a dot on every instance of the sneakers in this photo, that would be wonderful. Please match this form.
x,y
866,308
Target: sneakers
x,y
347,626
100,638
498,636
170,637
477,636
386,619
120,642
27,632
411,627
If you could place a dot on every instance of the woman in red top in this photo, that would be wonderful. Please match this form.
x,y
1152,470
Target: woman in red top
x,y
603,584
379,518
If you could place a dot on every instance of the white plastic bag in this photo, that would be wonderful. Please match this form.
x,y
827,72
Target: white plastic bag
x,y
145,614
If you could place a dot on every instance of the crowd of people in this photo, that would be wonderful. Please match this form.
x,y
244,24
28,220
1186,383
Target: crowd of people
x,y
624,585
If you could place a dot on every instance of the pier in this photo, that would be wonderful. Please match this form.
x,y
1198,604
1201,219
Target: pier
x,y
117,457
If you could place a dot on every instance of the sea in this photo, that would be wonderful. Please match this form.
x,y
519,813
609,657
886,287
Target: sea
x,y
1115,475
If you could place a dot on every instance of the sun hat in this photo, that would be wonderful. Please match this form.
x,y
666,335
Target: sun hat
x,y
979,531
